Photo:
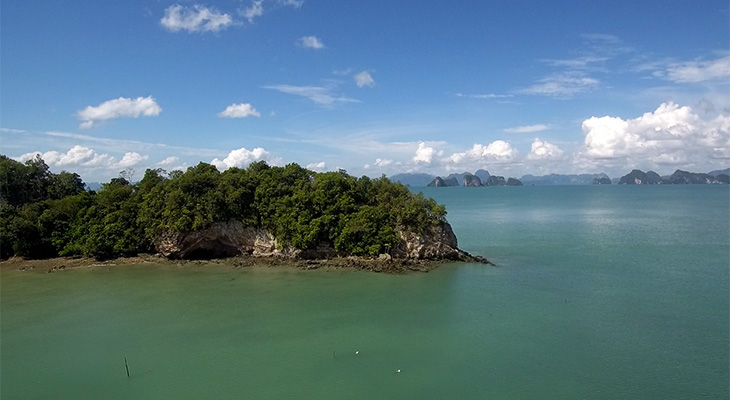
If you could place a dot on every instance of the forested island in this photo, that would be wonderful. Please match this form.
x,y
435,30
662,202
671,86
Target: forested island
x,y
202,213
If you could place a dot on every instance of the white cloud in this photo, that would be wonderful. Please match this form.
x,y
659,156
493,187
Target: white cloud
x,y
542,150
292,3
121,107
497,151
364,79
197,18
242,110
562,85
318,94
80,156
318,166
424,154
699,71
255,10
172,160
311,42
669,136
383,162
131,159
242,157
528,128
485,96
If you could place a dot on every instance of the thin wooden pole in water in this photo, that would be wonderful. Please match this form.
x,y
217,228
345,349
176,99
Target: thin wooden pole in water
x,y
126,365
333,354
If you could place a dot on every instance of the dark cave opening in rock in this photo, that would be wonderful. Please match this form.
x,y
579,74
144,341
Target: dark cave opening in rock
x,y
208,250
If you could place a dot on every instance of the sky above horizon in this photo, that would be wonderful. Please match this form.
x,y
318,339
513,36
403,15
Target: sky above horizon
x,y
533,87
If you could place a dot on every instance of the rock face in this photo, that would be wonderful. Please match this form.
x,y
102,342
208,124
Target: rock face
x,y
680,177
638,177
472,181
441,182
436,243
495,180
513,182
228,239
602,181
437,182
222,239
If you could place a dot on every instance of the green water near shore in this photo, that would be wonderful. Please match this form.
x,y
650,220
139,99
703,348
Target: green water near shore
x,y
599,292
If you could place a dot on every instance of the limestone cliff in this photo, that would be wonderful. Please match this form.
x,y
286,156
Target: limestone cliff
x,y
436,243
227,239
222,239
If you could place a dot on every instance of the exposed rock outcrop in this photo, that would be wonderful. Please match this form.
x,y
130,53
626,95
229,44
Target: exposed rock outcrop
x,y
437,182
441,182
435,243
638,177
228,239
496,180
513,182
472,181
222,239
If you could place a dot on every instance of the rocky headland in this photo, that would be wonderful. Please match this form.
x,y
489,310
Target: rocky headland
x,y
233,238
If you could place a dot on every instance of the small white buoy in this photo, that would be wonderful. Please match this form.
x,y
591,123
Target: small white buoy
x,y
357,352
397,371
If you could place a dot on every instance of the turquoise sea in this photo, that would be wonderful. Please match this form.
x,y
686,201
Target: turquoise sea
x,y
600,292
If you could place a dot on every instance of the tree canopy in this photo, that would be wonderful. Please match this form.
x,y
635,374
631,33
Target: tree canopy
x,y
44,214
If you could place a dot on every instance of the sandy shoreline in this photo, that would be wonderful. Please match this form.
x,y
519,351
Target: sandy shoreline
x,y
355,263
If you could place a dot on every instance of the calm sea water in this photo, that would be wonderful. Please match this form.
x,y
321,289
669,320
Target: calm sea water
x,y
601,292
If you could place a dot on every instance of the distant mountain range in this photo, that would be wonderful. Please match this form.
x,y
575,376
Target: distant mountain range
x,y
423,179
560,179
679,177
479,178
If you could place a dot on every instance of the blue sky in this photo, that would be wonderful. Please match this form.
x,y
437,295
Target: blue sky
x,y
374,87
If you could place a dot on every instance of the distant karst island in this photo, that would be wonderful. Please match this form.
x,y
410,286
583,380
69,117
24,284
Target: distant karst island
x,y
261,211
483,178
679,177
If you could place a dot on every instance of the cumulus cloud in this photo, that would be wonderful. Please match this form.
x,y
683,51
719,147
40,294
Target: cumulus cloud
x,y
242,157
256,9
528,128
699,71
318,94
383,164
197,18
364,79
311,42
80,156
172,160
318,166
242,110
542,150
424,154
131,159
499,150
121,107
671,135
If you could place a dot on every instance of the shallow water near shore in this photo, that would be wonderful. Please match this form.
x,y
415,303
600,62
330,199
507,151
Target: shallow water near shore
x,y
599,292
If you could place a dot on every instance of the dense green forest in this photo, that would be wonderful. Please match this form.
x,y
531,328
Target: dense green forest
x,y
43,214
